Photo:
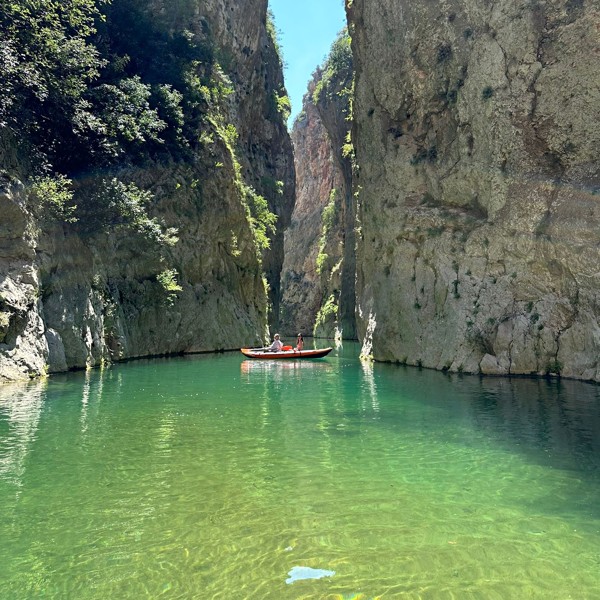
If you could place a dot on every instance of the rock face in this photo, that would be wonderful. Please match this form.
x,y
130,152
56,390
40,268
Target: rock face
x,y
267,158
304,289
320,267
476,138
72,297
23,348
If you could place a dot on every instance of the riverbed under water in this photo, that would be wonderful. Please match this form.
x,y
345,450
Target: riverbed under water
x,y
219,477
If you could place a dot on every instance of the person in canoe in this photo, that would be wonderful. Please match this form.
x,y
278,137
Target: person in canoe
x,y
300,342
277,345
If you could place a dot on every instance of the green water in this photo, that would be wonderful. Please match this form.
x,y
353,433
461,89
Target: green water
x,y
214,476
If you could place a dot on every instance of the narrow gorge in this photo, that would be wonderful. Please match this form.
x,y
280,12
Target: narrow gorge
x,y
319,269
439,202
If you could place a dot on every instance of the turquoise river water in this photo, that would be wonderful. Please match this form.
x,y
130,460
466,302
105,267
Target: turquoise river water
x,y
218,477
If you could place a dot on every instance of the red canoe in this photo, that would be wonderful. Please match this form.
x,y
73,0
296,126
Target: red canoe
x,y
260,353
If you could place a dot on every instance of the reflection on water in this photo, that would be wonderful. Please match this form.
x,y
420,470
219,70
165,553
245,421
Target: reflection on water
x,y
217,476
370,385
277,367
20,410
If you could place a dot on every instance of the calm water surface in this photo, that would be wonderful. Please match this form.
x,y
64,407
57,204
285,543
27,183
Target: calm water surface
x,y
215,476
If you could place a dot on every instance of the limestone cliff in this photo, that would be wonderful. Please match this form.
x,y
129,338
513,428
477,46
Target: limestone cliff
x,y
319,268
476,138
303,286
267,156
73,295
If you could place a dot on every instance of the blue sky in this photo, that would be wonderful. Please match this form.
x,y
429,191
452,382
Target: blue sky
x,y
306,31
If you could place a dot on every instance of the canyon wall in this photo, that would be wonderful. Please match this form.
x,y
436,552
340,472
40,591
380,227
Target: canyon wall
x,y
75,295
267,155
478,184
319,268
303,287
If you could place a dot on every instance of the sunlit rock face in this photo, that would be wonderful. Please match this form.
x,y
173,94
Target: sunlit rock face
x,y
23,348
319,268
476,136
333,106
304,289
73,299
267,157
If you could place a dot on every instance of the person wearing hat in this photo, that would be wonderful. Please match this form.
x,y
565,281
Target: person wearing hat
x,y
277,345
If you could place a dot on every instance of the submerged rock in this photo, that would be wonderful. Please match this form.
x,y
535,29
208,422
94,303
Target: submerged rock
x,y
299,573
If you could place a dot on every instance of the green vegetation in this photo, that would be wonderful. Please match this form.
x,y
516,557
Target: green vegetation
x,y
89,84
348,147
261,219
280,101
335,82
46,65
283,104
554,367
88,87
276,187
113,204
338,69
92,84
326,314
274,34
328,219
53,195
168,281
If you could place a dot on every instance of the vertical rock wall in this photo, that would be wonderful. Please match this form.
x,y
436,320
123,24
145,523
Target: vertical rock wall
x,y
304,289
71,297
23,348
478,189
267,158
320,267
333,106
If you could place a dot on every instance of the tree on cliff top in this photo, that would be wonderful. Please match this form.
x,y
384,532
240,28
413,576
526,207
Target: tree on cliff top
x,y
338,70
46,64
90,83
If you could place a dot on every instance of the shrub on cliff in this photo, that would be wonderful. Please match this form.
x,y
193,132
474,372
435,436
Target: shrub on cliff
x,y
90,83
109,204
46,64
337,72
